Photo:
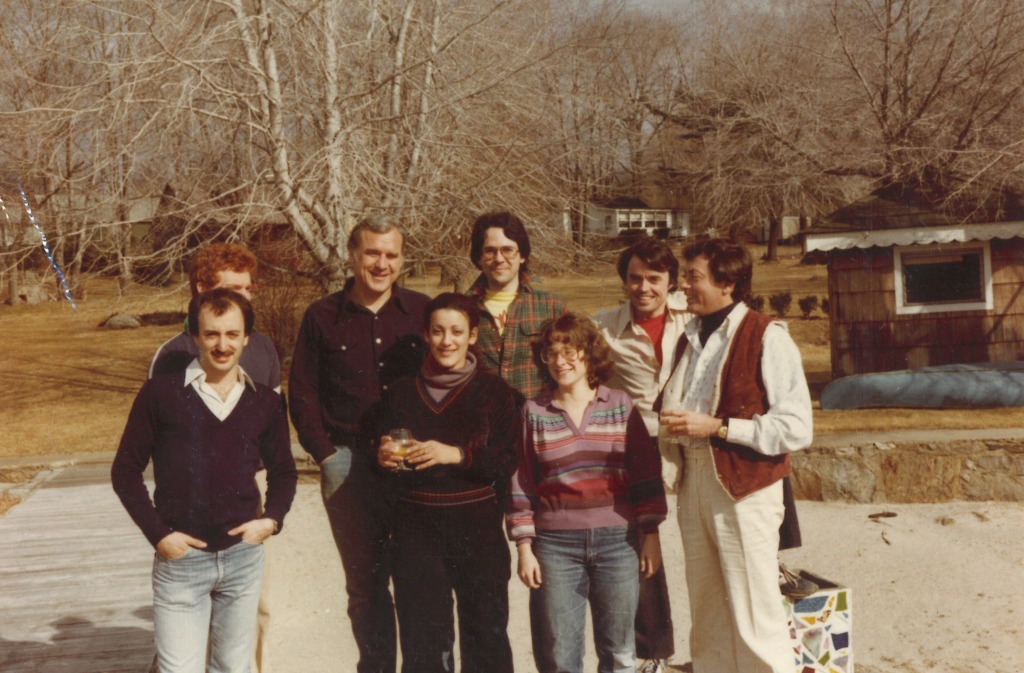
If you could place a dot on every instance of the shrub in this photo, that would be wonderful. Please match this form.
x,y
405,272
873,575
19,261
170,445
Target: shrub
x,y
807,305
279,305
780,303
824,305
756,303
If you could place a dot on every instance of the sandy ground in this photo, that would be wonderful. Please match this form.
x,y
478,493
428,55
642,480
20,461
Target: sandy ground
x,y
935,588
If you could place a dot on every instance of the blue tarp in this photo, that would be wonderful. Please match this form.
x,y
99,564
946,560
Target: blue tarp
x,y
963,386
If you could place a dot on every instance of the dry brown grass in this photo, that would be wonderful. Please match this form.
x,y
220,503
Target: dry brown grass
x,y
7,502
69,384
19,475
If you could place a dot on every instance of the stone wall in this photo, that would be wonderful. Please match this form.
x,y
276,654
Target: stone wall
x,y
909,472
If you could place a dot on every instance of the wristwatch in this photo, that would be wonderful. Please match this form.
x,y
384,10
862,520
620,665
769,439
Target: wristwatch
x,y
723,431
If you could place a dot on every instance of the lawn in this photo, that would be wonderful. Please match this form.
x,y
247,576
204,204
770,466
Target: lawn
x,y
69,384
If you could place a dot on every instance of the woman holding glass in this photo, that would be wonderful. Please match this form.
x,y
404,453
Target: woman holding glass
x,y
585,504
452,476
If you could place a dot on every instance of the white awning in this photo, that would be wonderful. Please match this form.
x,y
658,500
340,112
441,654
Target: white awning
x,y
921,236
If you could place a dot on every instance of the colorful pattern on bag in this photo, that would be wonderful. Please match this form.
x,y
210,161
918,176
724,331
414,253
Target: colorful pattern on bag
x,y
821,627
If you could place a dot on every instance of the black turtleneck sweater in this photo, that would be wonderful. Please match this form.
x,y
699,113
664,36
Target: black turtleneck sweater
x,y
712,321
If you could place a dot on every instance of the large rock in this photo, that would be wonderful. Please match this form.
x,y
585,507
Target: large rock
x,y
33,290
122,321
846,478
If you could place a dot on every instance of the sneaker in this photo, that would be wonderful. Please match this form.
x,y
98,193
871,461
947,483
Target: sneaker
x,y
652,666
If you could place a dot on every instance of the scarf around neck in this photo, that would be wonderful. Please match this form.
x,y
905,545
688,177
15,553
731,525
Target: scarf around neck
x,y
439,381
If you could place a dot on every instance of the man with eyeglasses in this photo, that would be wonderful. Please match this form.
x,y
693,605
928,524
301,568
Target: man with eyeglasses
x,y
735,406
512,309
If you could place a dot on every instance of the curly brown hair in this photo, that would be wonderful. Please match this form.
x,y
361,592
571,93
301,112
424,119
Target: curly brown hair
x,y
217,257
580,333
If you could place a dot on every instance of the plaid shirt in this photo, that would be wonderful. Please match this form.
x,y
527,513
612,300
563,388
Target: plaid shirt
x,y
508,354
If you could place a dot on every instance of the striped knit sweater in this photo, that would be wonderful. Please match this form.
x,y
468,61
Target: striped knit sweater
x,y
606,473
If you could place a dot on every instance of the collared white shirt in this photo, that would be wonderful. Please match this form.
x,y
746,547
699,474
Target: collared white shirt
x,y
786,426
636,368
196,377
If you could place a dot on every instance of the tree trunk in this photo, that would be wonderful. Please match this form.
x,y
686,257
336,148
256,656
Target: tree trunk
x,y
12,287
774,230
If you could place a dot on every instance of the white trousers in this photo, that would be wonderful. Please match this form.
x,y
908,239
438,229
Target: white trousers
x,y
732,573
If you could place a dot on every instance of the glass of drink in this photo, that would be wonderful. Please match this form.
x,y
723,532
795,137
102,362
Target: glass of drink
x,y
402,442
664,438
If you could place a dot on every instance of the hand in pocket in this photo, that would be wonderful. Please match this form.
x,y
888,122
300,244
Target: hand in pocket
x,y
334,471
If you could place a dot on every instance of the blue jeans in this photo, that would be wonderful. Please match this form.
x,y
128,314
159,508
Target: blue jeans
x,y
600,565
207,600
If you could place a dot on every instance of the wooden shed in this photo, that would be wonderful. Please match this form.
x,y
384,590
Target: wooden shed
x,y
921,276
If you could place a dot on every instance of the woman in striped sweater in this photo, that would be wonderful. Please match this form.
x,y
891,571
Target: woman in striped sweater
x,y
585,503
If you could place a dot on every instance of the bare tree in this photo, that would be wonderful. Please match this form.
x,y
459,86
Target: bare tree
x,y
598,97
351,107
747,131
793,108
228,111
938,81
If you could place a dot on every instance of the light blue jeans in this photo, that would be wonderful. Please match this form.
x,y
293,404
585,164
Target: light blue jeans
x,y
207,600
600,565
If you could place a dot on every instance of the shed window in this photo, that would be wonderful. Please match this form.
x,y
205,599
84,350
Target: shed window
x,y
947,278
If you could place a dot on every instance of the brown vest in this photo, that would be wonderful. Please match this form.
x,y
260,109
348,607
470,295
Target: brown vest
x,y
743,470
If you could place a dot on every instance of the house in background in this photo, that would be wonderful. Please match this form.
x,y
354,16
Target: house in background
x,y
921,276
789,229
632,217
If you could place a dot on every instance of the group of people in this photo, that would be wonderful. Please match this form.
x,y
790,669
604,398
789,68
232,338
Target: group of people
x,y
445,428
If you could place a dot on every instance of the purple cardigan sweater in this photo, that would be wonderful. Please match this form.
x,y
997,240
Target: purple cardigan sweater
x,y
204,468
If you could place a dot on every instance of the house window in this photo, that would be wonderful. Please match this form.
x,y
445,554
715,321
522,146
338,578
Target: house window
x,y
629,219
944,278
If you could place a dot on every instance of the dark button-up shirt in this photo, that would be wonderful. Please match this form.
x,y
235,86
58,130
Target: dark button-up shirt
x,y
345,357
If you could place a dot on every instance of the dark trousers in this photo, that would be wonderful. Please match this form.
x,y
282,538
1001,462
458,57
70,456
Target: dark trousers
x,y
438,550
654,638
789,531
359,509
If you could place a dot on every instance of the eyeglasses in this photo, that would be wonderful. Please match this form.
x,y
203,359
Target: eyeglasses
x,y
568,353
508,252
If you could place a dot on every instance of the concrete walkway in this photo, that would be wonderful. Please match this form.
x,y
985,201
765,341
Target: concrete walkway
x,y
936,587
74,580
75,590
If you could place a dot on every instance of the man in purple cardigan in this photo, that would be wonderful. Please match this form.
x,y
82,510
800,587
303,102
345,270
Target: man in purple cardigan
x,y
232,266
207,429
